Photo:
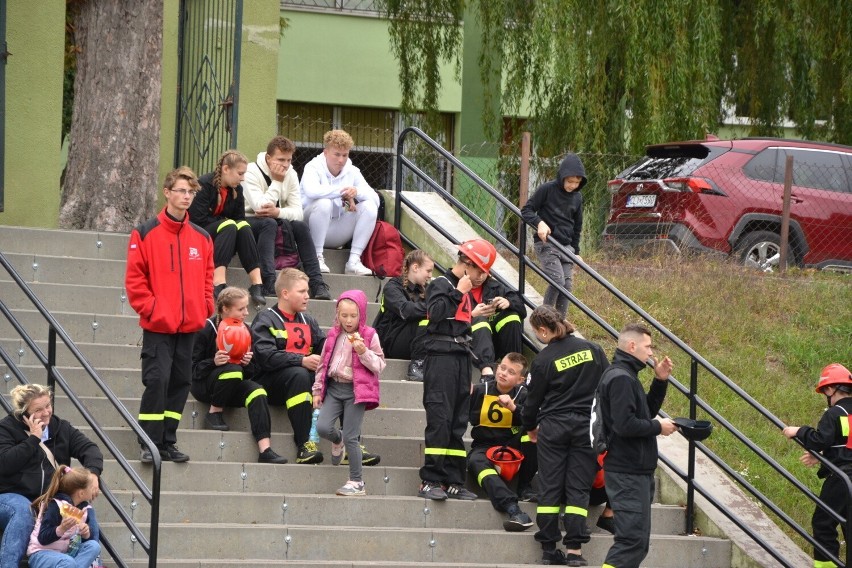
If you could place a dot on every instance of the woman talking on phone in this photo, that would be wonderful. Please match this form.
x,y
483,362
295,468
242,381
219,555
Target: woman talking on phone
x,y
32,442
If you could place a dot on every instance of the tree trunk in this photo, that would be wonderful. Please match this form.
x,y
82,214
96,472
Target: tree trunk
x,y
113,163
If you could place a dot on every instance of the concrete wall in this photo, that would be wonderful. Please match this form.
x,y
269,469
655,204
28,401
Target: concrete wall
x,y
35,33
341,59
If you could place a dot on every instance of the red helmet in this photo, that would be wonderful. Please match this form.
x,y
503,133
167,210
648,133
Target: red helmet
x,y
234,338
506,460
481,252
834,374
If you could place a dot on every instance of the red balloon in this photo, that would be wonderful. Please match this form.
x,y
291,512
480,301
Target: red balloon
x,y
234,338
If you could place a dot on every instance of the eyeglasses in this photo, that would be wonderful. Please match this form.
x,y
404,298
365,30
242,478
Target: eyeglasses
x,y
191,192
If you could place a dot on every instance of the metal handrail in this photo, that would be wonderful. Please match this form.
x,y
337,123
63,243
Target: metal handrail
x,y
524,262
54,377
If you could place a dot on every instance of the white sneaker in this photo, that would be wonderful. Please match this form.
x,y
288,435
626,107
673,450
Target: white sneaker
x,y
323,266
357,269
352,488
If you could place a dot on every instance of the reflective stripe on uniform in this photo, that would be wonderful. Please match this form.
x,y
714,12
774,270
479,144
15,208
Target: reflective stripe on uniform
x,y
481,325
231,375
224,224
242,225
151,417
485,473
254,394
444,452
299,399
279,333
423,323
571,510
607,566
824,564
172,415
525,438
547,510
844,425
508,319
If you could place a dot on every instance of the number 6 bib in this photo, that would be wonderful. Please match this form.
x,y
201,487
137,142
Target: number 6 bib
x,y
493,415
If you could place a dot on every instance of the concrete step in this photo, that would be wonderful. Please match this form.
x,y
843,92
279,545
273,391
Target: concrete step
x,y
126,383
106,272
108,356
111,300
406,422
81,244
224,563
241,448
436,545
332,510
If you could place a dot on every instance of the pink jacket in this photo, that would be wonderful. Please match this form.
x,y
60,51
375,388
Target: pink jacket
x,y
64,541
365,368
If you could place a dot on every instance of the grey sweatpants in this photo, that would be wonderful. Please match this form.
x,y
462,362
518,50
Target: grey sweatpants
x,y
340,399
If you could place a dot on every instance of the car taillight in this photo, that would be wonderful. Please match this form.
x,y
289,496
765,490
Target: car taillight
x,y
694,184
614,185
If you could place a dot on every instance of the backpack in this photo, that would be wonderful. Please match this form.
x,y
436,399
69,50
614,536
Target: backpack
x,y
384,253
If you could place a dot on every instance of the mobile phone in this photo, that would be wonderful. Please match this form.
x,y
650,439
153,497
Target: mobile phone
x,y
489,302
25,415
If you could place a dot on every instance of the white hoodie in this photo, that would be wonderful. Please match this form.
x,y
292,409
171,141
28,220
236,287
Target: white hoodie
x,y
319,183
283,194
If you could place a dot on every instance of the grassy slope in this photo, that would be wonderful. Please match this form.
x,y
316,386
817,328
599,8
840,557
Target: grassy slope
x,y
770,335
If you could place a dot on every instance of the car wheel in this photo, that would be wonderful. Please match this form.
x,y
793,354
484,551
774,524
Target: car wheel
x,y
761,250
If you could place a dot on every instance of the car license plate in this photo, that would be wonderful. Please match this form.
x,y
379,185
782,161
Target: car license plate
x,y
641,200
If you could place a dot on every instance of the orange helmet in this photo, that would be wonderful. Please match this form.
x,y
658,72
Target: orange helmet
x,y
480,251
506,460
834,374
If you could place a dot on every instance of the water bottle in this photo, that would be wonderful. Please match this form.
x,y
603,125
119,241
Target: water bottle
x,y
98,563
314,437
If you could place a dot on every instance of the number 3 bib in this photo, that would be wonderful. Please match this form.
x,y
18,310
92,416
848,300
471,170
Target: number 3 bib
x,y
298,338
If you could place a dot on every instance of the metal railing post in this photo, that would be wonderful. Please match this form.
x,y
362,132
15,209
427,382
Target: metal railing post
x,y
690,468
51,359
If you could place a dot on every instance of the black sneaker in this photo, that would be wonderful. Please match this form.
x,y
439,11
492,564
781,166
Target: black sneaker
x,y
518,521
553,557
366,457
415,370
269,456
257,297
575,560
434,491
460,493
607,524
217,289
171,453
309,454
145,455
319,291
485,378
215,421
269,290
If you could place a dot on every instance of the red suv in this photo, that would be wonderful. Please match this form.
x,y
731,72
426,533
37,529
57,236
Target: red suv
x,y
726,196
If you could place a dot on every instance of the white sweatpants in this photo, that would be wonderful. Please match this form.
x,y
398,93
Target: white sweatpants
x,y
333,233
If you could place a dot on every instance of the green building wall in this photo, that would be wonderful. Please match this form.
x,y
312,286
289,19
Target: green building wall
x,y
35,34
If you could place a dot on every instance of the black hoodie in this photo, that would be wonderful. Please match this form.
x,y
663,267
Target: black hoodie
x,y
561,210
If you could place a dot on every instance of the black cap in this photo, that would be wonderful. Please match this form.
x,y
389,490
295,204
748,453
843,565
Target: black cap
x,y
696,430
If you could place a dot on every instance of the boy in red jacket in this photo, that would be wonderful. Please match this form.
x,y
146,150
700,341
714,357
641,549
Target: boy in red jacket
x,y
169,282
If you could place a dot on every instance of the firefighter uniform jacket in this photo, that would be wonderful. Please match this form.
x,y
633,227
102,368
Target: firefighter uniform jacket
x,y
493,424
831,436
628,415
204,349
169,278
492,288
448,311
400,307
282,340
564,376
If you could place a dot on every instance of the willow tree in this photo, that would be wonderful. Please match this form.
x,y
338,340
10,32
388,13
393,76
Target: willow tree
x,y
612,76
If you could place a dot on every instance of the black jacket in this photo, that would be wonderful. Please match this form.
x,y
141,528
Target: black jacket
x,y
444,306
399,307
828,437
628,415
563,379
492,288
202,207
204,349
24,467
486,434
561,210
269,345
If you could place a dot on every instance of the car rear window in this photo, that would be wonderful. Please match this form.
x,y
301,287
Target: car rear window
x,y
671,161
